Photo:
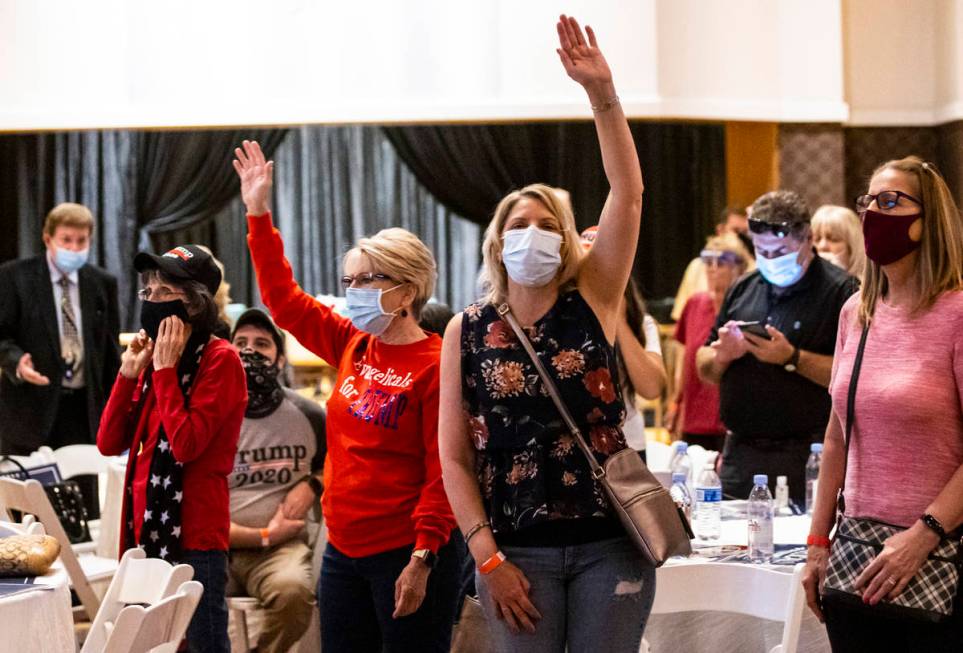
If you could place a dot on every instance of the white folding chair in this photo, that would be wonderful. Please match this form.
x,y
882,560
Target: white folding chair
x,y
42,456
139,580
81,460
751,590
29,497
158,628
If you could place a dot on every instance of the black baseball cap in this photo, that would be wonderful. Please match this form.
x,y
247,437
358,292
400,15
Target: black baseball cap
x,y
260,319
188,262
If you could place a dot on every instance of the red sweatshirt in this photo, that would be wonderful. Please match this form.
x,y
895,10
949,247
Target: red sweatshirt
x,y
203,438
382,475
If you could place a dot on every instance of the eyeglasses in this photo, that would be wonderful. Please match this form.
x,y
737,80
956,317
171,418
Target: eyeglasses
x,y
159,294
885,200
714,257
778,229
363,280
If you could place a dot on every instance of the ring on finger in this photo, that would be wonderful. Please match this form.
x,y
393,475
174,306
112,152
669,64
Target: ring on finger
x,y
892,580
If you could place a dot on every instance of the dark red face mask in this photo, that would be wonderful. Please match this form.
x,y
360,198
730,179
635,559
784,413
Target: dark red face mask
x,y
887,236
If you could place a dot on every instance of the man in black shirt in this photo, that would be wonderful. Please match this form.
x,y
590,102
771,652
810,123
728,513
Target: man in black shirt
x,y
773,375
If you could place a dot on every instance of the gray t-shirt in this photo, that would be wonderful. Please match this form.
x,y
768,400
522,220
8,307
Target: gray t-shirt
x,y
274,453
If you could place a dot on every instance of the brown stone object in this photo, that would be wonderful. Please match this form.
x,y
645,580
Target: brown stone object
x,y
27,555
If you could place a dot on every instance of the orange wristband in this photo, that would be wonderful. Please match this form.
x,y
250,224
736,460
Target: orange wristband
x,y
818,540
492,563
265,538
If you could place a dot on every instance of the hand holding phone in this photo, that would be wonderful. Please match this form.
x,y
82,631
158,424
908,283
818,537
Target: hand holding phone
x,y
753,327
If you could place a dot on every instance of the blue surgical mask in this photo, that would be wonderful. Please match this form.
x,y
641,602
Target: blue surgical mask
x,y
782,271
531,255
365,310
68,261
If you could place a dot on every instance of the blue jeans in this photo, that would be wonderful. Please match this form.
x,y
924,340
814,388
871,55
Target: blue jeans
x,y
592,597
356,597
207,632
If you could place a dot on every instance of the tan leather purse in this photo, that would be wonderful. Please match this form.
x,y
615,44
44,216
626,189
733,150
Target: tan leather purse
x,y
651,518
27,555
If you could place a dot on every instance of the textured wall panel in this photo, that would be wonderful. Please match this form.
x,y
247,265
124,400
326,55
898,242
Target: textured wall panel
x,y
811,159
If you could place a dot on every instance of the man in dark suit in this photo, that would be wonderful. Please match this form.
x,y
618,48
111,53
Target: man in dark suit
x,y
59,351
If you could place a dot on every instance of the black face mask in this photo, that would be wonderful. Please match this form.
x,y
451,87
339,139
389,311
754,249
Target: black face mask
x,y
264,392
153,313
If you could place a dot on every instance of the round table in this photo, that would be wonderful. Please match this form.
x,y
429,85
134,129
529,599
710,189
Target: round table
x,y
40,620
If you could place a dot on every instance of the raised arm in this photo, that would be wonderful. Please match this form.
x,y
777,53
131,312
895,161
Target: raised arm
x,y
605,269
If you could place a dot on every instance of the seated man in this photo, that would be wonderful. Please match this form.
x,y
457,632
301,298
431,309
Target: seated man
x,y
276,480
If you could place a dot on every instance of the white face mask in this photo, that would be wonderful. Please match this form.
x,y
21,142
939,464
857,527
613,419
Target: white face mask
x,y
531,255
782,271
365,310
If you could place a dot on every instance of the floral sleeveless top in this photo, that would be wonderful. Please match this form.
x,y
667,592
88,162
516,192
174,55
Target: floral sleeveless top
x,y
530,468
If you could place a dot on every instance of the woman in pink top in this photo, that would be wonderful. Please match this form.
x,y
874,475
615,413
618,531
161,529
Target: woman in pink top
x,y
906,451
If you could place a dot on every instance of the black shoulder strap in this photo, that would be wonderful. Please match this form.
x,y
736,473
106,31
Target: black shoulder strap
x,y
851,410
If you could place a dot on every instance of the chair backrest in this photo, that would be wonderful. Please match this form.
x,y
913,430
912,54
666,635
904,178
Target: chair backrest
x,y
42,456
159,628
140,580
730,587
29,497
77,459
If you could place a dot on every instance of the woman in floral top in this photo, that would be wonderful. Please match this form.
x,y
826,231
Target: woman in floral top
x,y
552,558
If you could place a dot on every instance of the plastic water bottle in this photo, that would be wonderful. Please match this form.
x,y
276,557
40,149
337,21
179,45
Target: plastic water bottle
x,y
680,494
759,511
708,504
782,496
812,474
681,463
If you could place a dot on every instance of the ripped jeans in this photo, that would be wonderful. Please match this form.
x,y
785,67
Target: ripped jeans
x,y
592,597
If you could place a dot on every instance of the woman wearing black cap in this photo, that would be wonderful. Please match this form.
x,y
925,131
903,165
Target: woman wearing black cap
x,y
177,405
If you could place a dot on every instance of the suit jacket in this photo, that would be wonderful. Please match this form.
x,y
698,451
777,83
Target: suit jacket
x,y
28,324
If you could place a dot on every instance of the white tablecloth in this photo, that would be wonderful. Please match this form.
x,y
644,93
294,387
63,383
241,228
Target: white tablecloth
x,y
108,543
721,632
39,621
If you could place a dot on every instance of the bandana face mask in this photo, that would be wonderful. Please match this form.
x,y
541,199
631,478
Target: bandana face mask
x,y
264,391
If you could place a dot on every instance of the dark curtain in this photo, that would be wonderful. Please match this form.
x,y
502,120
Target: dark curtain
x,y
470,167
147,189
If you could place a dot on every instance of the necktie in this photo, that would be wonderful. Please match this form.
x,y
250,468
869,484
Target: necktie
x,y
70,345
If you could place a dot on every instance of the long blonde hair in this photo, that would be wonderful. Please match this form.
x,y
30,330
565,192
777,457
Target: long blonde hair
x,y
843,224
940,264
495,276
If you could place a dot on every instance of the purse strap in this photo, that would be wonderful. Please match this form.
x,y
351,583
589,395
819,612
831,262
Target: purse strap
x,y
505,311
850,413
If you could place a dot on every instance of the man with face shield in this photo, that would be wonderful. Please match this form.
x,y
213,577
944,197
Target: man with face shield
x,y
277,479
773,372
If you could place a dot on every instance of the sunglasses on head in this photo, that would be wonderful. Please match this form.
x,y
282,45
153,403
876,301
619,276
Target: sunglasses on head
x,y
885,200
778,229
715,257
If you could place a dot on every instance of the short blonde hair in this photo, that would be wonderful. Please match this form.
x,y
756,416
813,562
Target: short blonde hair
x,y
729,242
401,255
223,295
495,276
843,224
940,264
68,214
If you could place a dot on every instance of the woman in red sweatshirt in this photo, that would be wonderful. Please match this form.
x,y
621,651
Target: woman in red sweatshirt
x,y
177,405
389,574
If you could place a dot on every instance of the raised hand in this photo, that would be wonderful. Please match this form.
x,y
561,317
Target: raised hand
x,y
137,356
171,340
257,177
583,61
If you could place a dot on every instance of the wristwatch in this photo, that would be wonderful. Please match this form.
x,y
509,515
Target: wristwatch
x,y
426,556
792,364
316,485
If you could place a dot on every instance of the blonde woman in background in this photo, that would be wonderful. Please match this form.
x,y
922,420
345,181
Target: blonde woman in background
x,y
838,237
221,299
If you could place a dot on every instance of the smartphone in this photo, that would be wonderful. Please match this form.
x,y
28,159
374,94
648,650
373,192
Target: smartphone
x,y
755,328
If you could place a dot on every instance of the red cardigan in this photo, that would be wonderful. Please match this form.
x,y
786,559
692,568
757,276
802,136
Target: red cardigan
x,y
382,474
203,437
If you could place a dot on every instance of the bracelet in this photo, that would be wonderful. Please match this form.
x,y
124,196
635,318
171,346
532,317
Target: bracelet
x,y
818,540
606,105
934,525
474,529
265,538
492,563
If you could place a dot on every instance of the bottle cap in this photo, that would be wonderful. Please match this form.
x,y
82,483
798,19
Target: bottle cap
x,y
782,480
760,479
681,446
816,447
678,477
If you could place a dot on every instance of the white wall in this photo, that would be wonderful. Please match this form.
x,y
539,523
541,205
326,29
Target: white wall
x,y
903,61
125,63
